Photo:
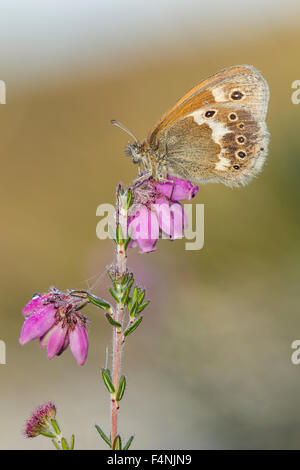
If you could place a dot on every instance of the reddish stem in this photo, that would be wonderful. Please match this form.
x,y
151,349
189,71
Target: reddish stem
x,y
117,335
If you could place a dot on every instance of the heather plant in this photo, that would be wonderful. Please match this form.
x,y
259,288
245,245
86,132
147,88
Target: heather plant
x,y
144,213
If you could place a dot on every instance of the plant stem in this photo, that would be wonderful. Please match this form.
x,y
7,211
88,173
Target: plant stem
x,y
117,334
58,435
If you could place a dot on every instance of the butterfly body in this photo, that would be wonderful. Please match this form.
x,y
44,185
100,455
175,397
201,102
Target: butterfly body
x,y
215,133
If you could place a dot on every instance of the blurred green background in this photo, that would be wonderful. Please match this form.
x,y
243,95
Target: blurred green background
x,y
210,366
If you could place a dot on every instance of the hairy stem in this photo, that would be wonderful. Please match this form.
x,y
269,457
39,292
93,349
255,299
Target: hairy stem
x,y
117,334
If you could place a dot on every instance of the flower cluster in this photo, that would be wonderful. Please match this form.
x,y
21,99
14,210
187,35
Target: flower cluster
x,y
157,213
55,319
39,423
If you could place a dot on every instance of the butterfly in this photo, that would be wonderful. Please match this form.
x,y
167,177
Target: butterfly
x,y
215,133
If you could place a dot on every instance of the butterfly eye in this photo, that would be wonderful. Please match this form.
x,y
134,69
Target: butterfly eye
x,y
233,117
236,167
210,114
241,139
241,154
237,95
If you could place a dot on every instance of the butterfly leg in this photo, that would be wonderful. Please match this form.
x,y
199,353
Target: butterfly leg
x,y
145,170
140,168
172,191
161,172
141,178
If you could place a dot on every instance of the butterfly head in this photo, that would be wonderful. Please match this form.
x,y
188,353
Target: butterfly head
x,y
134,151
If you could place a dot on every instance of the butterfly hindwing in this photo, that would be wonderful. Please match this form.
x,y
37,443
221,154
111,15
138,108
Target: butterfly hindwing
x,y
217,131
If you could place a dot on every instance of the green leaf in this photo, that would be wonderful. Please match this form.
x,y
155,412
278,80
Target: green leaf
x,y
130,282
112,321
121,389
128,199
117,445
124,279
103,435
112,278
72,442
125,296
141,297
55,426
128,443
99,302
114,295
143,306
64,444
133,309
135,294
107,380
133,327
48,434
56,445
129,303
127,241
119,235
130,279
129,237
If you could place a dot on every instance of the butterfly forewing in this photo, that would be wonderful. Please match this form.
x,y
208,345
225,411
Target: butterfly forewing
x,y
217,131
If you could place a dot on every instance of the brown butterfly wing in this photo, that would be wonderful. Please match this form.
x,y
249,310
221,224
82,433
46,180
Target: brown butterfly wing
x,y
229,144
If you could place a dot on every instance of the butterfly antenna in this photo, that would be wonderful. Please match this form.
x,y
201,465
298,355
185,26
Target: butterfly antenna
x,y
124,128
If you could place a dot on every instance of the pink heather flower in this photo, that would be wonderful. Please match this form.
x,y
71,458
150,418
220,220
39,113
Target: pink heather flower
x,y
40,420
54,318
156,212
182,189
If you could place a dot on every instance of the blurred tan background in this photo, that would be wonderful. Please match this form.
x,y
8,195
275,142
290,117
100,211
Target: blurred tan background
x,y
210,366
